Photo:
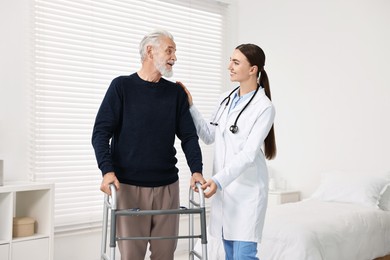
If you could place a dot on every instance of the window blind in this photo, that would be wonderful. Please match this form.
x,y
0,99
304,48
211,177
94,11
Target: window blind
x,y
79,47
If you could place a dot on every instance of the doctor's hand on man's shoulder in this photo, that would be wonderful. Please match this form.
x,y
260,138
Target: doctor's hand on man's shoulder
x,y
190,101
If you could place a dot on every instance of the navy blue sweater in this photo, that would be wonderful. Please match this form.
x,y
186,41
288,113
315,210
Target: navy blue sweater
x,y
142,118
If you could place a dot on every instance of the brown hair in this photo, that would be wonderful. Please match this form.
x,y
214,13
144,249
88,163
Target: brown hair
x,y
256,57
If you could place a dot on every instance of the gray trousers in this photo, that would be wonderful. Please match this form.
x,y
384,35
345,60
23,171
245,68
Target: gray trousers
x,y
144,198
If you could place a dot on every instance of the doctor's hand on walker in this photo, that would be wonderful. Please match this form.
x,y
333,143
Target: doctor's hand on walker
x,y
210,188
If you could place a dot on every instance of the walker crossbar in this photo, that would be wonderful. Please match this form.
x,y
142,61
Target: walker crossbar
x,y
110,204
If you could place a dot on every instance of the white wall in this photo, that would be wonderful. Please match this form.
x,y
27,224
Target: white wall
x,y
15,80
327,62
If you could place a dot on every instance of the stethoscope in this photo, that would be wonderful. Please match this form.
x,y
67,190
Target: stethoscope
x,y
233,128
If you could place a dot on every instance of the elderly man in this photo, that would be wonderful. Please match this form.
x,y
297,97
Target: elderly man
x,y
141,114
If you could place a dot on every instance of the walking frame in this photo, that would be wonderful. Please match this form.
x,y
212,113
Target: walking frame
x,y
195,207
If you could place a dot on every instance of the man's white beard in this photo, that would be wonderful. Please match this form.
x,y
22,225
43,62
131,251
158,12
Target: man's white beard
x,y
161,67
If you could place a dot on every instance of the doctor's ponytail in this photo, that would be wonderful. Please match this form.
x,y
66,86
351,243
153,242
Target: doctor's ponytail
x,y
269,142
256,57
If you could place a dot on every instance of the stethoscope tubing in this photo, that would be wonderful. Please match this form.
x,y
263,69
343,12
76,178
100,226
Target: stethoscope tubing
x,y
233,128
215,121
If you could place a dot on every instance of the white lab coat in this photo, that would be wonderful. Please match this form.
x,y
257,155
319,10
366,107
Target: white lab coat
x,y
239,166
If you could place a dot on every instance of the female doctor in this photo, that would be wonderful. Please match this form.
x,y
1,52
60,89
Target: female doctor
x,y
241,126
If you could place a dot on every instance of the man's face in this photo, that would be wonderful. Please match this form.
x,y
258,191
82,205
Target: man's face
x,y
165,57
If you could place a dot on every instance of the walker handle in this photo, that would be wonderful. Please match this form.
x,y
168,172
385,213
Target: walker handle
x,y
201,203
112,203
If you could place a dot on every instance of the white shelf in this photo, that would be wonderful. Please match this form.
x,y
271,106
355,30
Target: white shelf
x,y
27,199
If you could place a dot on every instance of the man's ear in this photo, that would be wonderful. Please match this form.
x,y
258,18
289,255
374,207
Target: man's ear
x,y
149,51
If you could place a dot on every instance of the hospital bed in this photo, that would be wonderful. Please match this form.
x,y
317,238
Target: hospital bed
x,y
346,218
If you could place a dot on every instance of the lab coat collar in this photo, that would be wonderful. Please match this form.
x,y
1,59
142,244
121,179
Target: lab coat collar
x,y
247,96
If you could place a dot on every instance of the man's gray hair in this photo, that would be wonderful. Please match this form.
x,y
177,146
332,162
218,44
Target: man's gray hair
x,y
153,39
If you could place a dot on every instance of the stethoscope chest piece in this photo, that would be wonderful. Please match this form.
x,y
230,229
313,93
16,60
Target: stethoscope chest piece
x,y
233,129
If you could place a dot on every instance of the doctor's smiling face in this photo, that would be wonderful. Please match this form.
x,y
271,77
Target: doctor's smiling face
x,y
239,67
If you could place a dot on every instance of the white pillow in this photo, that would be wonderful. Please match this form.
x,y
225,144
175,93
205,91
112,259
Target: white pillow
x,y
384,202
362,189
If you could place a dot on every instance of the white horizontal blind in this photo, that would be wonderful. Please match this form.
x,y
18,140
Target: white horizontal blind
x,y
79,47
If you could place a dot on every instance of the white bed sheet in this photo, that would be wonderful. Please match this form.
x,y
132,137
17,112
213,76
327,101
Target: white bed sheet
x,y
316,230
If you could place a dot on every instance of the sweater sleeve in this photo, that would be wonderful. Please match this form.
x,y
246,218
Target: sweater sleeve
x,y
186,132
107,120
